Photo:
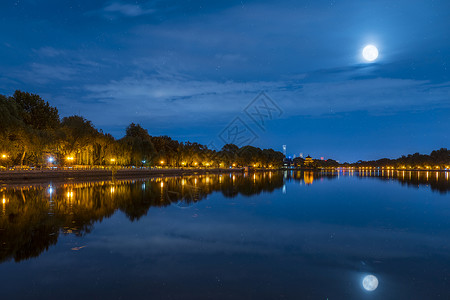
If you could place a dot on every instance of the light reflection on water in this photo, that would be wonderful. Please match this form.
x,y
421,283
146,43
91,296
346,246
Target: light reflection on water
x,y
277,235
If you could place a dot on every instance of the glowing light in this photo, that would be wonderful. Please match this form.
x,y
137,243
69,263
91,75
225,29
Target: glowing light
x,y
161,162
370,53
112,160
4,200
69,158
162,184
50,159
370,283
4,156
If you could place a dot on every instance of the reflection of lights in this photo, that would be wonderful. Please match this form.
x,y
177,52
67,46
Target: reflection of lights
x,y
112,190
70,158
69,194
4,201
50,190
112,160
162,184
370,283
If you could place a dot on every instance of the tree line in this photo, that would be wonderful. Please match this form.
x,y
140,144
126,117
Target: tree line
x,y
33,134
437,159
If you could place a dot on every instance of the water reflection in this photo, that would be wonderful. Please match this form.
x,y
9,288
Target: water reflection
x,y
33,217
319,240
436,180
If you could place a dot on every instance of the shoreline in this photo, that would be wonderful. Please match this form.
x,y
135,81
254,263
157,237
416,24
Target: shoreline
x,y
36,176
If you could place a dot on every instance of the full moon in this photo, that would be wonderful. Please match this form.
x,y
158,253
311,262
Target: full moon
x,y
370,53
370,283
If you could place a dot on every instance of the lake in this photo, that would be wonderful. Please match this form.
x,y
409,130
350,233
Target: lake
x,y
273,235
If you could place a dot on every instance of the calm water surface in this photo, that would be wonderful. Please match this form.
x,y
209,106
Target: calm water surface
x,y
280,235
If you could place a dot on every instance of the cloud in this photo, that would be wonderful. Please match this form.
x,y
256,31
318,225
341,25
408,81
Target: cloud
x,y
116,9
49,52
45,73
183,98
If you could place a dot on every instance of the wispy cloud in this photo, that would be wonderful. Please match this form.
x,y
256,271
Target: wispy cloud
x,y
180,97
117,9
48,52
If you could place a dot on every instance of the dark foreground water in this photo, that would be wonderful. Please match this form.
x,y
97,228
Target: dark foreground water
x,y
293,235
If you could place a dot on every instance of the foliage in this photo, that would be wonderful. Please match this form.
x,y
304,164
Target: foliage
x,y
32,132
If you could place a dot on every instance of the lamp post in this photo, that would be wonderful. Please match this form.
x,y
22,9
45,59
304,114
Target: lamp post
x,y
4,158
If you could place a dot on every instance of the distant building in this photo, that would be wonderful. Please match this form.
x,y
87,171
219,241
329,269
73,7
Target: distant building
x,y
309,161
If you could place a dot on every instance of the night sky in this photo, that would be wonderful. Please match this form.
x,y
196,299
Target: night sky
x,y
194,69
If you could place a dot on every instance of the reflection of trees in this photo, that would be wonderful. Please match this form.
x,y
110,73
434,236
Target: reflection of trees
x,y
32,218
438,181
308,177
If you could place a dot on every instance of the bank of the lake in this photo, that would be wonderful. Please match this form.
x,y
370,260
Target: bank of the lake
x,y
107,173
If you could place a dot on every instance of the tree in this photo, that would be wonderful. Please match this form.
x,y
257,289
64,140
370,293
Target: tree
x,y
140,144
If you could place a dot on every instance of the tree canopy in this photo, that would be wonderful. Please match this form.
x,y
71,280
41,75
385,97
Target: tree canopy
x,y
32,133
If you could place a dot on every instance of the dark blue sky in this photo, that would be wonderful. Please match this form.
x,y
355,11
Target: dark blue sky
x,y
188,69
